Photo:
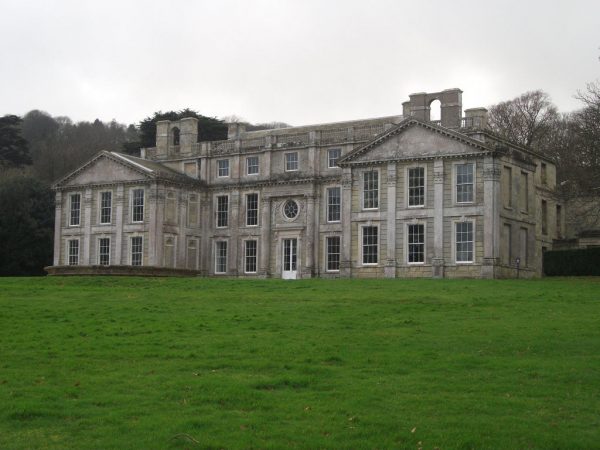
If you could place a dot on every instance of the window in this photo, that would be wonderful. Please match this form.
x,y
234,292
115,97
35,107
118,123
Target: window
x,y
74,252
333,253
176,136
251,210
524,191
332,156
558,221
290,209
416,243
105,207
171,208
464,182
252,165
523,244
223,168
507,244
291,162
75,216
544,176
416,186
192,254
334,203
221,257
136,250
250,256
192,210
137,213
169,252
544,217
464,242
222,211
104,251
507,187
371,189
369,245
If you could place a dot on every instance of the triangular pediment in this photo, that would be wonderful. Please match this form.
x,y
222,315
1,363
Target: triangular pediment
x,y
102,169
415,139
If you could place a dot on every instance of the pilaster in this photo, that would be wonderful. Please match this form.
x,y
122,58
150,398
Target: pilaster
x,y
438,218
346,262
87,226
119,202
265,237
57,227
154,228
491,217
234,241
310,239
390,263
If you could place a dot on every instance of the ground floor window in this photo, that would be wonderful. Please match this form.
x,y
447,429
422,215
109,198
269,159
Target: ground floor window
x,y
333,253
104,251
136,250
250,256
74,252
370,245
221,257
416,243
192,254
464,242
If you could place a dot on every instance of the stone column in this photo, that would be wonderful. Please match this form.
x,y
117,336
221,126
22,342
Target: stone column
x,y
153,226
491,217
265,237
87,227
438,219
234,242
316,234
309,237
206,223
390,263
119,202
57,227
346,262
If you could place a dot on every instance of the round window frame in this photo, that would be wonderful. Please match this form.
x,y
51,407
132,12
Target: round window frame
x,y
297,208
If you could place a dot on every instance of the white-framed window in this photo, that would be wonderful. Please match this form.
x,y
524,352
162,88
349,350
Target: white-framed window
x,y
222,168
371,189
192,211
465,182
464,239
334,204
104,251
333,248
105,207
291,161
136,252
333,155
137,205
416,186
220,256
370,245
73,252
222,211
74,210
250,255
252,167
252,209
415,234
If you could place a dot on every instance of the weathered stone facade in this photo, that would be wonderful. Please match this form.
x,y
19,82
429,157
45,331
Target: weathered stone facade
x,y
398,196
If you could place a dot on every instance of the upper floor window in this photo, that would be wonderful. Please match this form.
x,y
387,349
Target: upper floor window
x,y
222,211
223,168
137,206
291,161
105,207
544,217
74,252
176,134
544,175
252,165
334,202
524,192
465,175
332,156
371,189
252,209
416,186
464,242
507,186
192,210
75,209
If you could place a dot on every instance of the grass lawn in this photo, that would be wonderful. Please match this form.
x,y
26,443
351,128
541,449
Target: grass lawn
x,y
134,363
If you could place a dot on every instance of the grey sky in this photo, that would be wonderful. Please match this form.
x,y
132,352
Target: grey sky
x,y
299,61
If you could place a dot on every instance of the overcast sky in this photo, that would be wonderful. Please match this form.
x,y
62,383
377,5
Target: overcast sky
x,y
300,62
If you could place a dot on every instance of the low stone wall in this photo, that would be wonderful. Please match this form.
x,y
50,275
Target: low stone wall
x,y
139,271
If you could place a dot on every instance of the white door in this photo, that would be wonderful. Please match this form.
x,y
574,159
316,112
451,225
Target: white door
x,y
289,259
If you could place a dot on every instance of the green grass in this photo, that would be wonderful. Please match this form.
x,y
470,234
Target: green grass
x,y
128,363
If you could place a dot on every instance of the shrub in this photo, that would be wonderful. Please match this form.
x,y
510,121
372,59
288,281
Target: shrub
x,y
580,262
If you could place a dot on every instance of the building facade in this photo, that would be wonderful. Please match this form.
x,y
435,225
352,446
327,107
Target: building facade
x,y
399,196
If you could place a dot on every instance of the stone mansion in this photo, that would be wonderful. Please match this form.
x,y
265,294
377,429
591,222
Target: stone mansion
x,y
399,196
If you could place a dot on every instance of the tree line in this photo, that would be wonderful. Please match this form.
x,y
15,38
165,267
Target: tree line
x,y
38,149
